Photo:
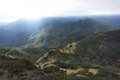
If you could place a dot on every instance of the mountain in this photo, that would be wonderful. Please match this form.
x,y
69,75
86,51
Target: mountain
x,y
96,57
112,20
56,33
101,49
16,34
61,49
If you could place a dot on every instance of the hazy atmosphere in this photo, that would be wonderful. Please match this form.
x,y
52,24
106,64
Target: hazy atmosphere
x,y
11,10
59,39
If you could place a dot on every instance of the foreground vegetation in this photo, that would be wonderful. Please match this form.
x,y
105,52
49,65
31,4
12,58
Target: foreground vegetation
x,y
80,50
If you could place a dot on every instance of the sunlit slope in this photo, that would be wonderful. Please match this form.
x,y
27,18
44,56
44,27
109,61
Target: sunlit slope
x,y
100,49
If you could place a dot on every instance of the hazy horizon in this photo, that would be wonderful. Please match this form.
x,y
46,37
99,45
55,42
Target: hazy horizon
x,y
12,10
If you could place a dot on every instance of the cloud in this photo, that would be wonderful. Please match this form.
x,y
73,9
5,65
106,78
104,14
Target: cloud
x,y
32,9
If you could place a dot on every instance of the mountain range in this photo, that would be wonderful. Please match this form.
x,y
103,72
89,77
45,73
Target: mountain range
x,y
20,31
61,48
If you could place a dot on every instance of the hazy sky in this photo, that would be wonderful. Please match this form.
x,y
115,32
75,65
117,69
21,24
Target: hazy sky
x,y
11,10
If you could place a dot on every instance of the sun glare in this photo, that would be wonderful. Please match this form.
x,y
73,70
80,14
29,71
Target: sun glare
x,y
11,10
